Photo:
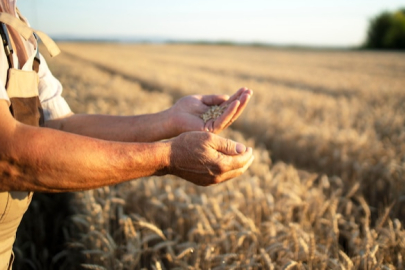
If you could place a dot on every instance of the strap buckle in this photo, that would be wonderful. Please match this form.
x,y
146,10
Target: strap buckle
x,y
8,48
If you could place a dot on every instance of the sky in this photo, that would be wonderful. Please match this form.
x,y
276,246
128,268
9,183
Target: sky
x,y
340,23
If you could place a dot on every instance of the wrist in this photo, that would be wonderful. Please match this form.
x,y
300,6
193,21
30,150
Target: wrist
x,y
151,127
171,125
163,152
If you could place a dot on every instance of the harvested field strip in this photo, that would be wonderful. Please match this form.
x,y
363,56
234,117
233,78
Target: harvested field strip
x,y
210,71
145,84
317,68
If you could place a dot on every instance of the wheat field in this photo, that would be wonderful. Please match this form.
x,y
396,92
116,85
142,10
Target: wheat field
x,y
326,189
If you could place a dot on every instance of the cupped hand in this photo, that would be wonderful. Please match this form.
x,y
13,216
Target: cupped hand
x,y
204,158
186,113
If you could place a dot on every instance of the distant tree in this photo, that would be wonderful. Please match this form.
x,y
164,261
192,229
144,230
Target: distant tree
x,y
387,31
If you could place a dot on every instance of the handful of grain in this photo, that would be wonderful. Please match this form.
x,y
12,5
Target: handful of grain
x,y
213,113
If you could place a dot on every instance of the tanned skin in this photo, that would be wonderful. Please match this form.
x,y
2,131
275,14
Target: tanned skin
x,y
81,152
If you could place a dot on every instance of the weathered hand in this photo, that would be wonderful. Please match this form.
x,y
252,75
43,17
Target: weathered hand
x,y
205,159
186,113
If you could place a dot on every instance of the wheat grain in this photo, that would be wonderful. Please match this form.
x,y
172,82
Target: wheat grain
x,y
165,244
346,258
384,217
184,253
245,221
266,259
119,201
304,246
158,265
373,251
399,261
289,265
93,267
150,238
294,240
213,112
151,227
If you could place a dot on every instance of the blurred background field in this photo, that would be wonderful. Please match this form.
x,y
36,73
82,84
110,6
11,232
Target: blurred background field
x,y
326,190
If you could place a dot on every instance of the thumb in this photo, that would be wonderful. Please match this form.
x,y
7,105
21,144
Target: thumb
x,y
229,147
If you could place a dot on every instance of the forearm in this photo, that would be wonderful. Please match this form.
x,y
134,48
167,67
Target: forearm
x,y
54,161
140,128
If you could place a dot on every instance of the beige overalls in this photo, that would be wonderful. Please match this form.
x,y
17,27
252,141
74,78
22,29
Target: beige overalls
x,y
22,89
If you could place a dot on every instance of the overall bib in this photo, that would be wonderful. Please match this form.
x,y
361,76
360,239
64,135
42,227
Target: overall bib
x,y
22,89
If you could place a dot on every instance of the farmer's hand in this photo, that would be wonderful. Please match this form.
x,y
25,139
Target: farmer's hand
x,y
186,113
205,159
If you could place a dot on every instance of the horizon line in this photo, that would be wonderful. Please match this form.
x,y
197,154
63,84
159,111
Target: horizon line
x,y
223,42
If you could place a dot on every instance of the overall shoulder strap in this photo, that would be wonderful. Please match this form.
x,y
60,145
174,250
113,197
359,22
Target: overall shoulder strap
x,y
26,32
8,49
37,61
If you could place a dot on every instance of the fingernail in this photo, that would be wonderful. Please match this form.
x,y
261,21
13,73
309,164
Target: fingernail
x,y
240,148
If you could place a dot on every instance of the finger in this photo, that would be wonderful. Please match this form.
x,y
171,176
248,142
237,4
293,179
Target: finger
x,y
207,180
210,100
236,95
234,162
248,91
243,103
234,173
200,180
227,146
226,167
239,92
222,121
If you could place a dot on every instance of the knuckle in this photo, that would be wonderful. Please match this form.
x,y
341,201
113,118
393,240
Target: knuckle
x,y
206,136
184,136
220,168
216,180
229,145
215,171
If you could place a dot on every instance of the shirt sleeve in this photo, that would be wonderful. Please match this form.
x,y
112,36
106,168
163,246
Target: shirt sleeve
x,y
50,93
